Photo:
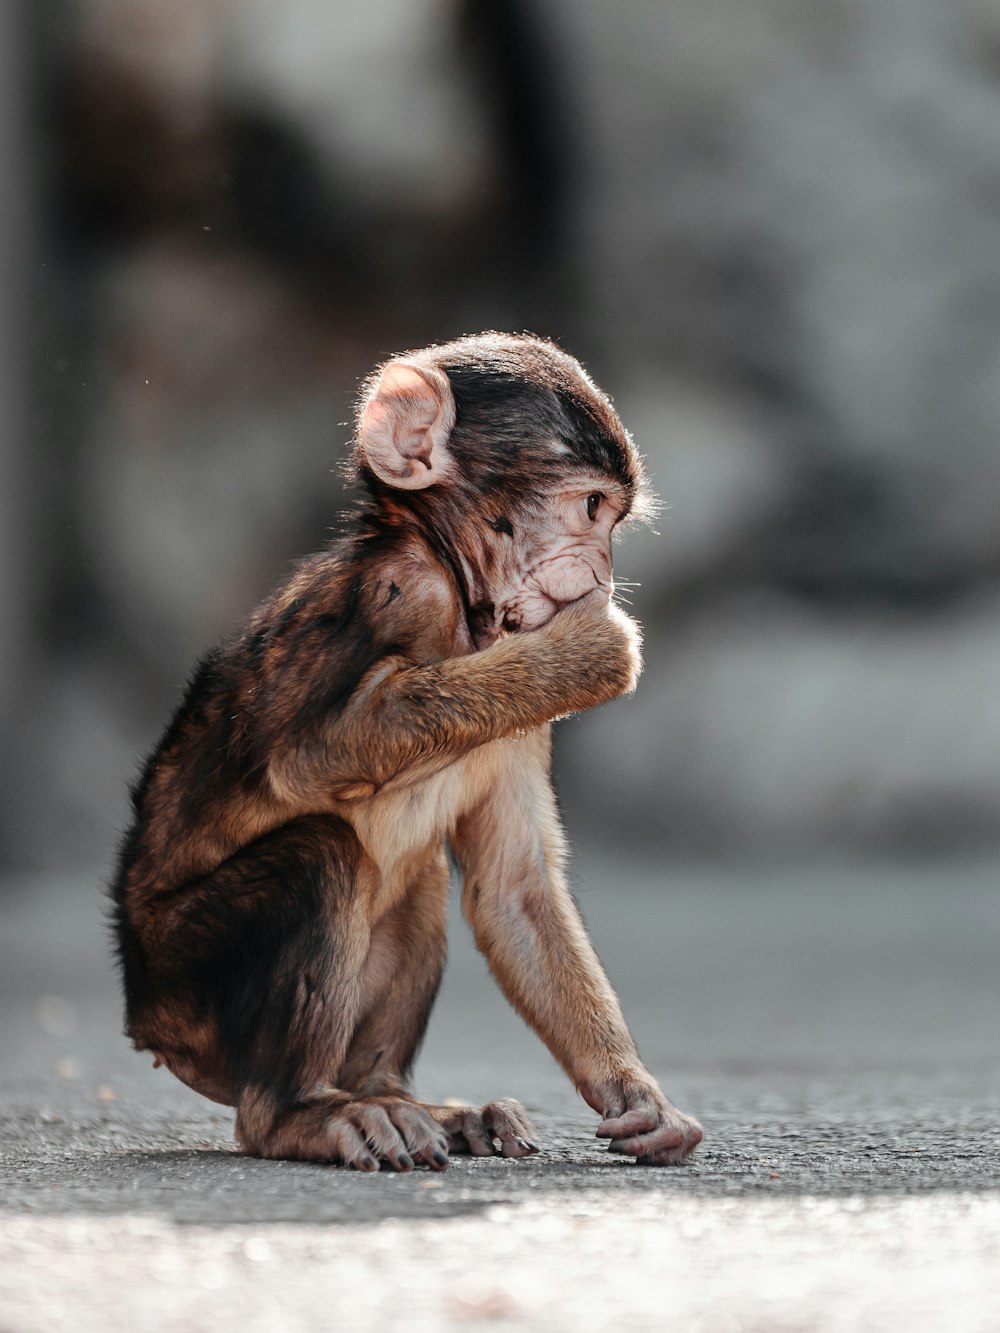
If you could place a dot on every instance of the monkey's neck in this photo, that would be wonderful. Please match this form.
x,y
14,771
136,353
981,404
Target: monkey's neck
x,y
478,597
449,539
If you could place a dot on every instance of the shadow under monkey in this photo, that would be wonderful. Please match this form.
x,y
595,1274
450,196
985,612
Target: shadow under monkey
x,y
280,897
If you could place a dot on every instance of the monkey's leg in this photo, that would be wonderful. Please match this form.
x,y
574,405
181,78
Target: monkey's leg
x,y
511,850
406,963
274,949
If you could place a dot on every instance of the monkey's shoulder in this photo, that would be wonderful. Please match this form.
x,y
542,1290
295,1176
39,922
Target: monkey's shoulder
x,y
356,601
297,660
409,602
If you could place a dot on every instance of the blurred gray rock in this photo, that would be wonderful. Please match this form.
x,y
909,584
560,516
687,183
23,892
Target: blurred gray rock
x,y
764,725
802,200
719,464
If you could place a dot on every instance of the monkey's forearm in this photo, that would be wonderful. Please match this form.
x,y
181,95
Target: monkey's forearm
x,y
538,951
546,966
412,721
511,851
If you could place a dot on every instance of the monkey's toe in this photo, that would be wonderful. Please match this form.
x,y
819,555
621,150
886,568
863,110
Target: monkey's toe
x,y
499,1128
390,1130
507,1121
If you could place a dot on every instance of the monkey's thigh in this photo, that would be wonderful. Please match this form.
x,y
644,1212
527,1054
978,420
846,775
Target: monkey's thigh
x,y
259,964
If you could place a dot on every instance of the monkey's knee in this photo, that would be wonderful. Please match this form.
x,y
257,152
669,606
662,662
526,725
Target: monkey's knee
x,y
357,1131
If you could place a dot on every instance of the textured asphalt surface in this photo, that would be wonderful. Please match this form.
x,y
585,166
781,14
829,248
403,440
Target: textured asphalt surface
x,y
837,1031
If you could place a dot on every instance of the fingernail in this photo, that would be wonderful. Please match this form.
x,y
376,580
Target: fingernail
x,y
441,1158
405,1161
369,1164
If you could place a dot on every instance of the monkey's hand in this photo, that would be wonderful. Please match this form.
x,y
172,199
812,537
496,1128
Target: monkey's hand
x,y
641,1123
604,644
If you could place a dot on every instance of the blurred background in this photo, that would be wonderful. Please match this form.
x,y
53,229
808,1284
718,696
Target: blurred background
x,y
770,229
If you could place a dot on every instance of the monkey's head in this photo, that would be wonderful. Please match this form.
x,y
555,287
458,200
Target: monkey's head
x,y
513,464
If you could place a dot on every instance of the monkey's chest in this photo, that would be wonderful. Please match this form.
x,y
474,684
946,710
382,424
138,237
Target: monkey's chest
x,y
401,829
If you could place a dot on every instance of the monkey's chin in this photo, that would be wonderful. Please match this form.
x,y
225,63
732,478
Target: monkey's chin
x,y
490,621
522,619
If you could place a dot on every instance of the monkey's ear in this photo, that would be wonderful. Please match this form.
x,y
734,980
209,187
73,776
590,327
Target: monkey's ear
x,y
404,426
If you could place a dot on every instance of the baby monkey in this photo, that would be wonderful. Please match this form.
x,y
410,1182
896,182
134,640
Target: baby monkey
x,y
280,897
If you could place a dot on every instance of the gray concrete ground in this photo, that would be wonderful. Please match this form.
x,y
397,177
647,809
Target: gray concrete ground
x,y
836,1029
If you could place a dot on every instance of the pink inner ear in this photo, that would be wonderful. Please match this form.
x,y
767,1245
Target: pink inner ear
x,y
405,425
414,407
399,379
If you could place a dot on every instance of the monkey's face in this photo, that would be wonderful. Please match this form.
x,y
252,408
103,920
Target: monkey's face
x,y
558,550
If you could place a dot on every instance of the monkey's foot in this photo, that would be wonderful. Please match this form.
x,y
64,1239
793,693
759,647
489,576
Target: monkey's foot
x,y
649,1129
478,1131
373,1130
362,1133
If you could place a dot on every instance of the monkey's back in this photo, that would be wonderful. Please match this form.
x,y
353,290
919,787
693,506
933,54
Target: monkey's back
x,y
210,786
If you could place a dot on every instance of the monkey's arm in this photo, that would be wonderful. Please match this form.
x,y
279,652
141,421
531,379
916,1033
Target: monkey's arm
x,y
511,851
405,722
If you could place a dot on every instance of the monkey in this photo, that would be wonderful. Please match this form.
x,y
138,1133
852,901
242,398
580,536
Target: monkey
x,y
280,895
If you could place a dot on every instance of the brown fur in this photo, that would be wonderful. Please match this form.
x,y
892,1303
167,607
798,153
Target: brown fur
x,y
281,895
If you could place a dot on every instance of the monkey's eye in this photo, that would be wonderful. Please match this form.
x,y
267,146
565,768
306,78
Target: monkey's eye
x,y
593,505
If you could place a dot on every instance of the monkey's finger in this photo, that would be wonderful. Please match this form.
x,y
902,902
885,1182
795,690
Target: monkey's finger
x,y
646,1143
669,1157
667,1143
508,1122
636,1121
478,1139
593,603
429,1154
384,1138
514,1145
433,1156
347,1146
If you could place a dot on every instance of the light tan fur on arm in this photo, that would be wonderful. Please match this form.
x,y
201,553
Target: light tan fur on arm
x,y
511,850
406,723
